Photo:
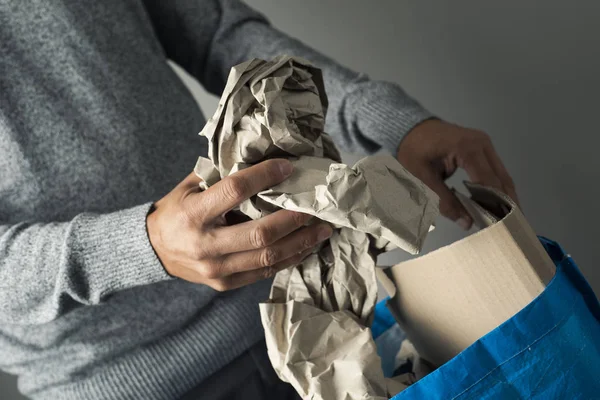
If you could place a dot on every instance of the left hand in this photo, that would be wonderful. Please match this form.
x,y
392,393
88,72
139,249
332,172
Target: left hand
x,y
434,150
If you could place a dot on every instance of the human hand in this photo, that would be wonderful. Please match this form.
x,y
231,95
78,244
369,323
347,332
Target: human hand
x,y
434,150
189,232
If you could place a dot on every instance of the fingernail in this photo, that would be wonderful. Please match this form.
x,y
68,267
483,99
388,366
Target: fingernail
x,y
286,167
324,233
465,223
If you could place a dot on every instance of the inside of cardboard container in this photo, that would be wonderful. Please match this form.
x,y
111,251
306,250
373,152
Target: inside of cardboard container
x,y
487,207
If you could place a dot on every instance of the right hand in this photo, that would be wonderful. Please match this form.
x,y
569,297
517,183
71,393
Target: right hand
x,y
189,233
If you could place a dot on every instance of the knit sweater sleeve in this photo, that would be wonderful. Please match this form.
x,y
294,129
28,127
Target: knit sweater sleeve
x,y
46,269
208,37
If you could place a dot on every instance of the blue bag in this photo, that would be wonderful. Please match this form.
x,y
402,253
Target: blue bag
x,y
548,350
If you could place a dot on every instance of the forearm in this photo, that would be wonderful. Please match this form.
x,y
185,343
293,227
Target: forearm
x,y
46,269
364,115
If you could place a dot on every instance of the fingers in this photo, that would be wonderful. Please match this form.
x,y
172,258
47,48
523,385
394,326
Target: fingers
x,y
485,167
248,277
450,207
192,180
232,190
256,234
289,246
479,169
506,181
190,184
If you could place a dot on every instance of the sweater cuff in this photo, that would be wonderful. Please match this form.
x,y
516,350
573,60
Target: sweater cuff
x,y
114,251
385,113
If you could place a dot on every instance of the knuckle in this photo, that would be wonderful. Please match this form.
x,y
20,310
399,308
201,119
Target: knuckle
x,y
480,138
261,236
308,242
197,254
469,142
190,220
473,141
208,270
268,257
298,218
220,285
186,217
197,250
235,188
268,272
484,136
471,152
450,209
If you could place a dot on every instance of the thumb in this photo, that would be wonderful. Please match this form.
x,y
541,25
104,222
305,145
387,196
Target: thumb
x,y
450,207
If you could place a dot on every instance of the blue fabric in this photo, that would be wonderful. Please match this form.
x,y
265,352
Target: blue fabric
x,y
388,346
383,319
549,350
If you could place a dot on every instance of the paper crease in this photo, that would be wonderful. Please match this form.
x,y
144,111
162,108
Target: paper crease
x,y
317,316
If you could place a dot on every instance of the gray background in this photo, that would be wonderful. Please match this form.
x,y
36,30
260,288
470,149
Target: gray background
x,y
525,72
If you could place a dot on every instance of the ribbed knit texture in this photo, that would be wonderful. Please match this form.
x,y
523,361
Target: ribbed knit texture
x,y
166,369
94,126
114,251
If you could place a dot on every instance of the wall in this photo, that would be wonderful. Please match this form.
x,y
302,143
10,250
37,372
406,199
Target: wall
x,y
525,72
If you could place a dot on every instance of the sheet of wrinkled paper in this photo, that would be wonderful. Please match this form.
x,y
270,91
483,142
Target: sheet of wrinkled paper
x,y
419,368
316,319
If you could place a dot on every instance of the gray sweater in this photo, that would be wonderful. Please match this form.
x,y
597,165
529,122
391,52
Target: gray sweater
x,y
94,126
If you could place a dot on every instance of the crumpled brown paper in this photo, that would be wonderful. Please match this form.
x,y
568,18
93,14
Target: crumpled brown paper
x,y
419,368
318,312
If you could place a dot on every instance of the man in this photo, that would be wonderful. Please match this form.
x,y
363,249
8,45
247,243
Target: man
x,y
107,293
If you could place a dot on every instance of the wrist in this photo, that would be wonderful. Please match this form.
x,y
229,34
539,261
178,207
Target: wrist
x,y
153,231
427,125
